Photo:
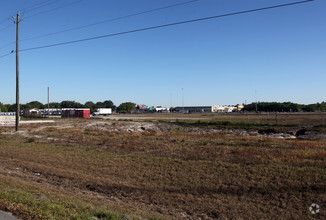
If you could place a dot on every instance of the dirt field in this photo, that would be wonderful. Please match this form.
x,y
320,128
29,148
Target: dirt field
x,y
301,119
86,169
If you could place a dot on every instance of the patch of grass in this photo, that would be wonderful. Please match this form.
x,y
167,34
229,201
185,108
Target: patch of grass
x,y
31,139
228,124
28,201
164,120
125,119
319,128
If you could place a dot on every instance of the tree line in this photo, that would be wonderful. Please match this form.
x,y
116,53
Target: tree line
x,y
123,107
285,107
128,107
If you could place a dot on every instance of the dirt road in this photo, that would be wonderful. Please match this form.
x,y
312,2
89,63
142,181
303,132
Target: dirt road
x,y
7,216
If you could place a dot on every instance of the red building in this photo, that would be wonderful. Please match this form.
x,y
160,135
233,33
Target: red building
x,y
76,113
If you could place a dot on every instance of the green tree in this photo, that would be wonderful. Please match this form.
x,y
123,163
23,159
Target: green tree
x,y
71,104
3,108
127,107
7,106
12,107
105,104
90,105
53,105
33,104
109,104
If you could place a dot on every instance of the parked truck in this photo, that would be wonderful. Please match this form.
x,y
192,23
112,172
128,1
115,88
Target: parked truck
x,y
102,111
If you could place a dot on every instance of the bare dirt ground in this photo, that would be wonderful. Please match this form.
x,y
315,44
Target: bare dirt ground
x,y
302,119
172,171
7,216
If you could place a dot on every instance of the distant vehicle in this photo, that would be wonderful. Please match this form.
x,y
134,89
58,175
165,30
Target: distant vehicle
x,y
102,111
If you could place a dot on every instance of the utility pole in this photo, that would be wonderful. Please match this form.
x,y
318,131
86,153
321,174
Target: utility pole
x,y
48,102
256,100
17,21
183,108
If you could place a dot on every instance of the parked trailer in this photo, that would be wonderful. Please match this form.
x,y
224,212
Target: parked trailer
x,y
76,113
103,111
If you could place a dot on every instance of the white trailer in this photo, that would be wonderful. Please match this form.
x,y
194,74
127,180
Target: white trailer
x,y
103,111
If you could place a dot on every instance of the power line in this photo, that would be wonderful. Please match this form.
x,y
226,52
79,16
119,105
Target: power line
x,y
4,20
40,5
31,6
35,5
8,26
109,20
168,25
25,9
6,45
101,22
6,54
62,6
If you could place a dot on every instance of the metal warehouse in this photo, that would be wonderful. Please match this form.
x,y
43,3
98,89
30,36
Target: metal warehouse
x,y
194,109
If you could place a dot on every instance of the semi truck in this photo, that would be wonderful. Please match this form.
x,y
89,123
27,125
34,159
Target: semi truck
x,y
102,111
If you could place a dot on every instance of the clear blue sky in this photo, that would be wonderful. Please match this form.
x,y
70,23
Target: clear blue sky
x,y
280,53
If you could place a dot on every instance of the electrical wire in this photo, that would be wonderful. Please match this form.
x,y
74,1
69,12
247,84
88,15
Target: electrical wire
x,y
109,20
62,6
37,4
25,9
105,21
168,25
29,8
6,45
4,20
10,25
40,5
6,54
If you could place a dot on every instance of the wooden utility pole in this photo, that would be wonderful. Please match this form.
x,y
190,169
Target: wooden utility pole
x,y
48,102
17,21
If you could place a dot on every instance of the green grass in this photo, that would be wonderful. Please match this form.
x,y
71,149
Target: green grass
x,y
228,124
28,201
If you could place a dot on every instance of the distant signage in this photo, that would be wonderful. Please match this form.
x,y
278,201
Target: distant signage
x,y
7,118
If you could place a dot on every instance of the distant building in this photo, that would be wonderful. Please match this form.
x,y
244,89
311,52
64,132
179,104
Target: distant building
x,y
224,108
32,112
240,107
145,108
162,109
76,113
205,109
53,111
194,109
142,107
